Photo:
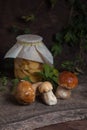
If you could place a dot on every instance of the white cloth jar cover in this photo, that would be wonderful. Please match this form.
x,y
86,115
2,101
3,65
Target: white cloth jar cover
x,y
30,47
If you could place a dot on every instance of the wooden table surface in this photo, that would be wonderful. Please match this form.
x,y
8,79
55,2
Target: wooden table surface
x,y
17,117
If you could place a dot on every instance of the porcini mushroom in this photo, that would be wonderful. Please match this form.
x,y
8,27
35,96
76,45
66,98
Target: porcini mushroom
x,y
67,82
24,93
47,95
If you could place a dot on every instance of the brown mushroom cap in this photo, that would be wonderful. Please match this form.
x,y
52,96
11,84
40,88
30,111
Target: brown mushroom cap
x,y
68,80
45,87
24,92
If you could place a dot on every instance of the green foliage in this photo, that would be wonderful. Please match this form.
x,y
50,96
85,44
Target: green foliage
x,y
56,49
52,3
77,28
68,65
73,66
50,74
26,78
18,30
15,81
75,33
3,83
26,31
22,30
14,29
28,18
14,84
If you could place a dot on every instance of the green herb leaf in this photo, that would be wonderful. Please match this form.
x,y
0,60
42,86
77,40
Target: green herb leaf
x,y
56,49
28,18
27,79
15,82
50,73
3,83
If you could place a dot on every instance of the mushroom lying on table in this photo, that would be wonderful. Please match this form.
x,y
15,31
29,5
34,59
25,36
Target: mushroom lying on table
x,y
46,92
24,93
67,82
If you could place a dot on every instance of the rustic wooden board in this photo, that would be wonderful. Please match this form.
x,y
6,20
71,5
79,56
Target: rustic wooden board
x,y
17,117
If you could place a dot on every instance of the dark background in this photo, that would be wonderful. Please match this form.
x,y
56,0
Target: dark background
x,y
48,21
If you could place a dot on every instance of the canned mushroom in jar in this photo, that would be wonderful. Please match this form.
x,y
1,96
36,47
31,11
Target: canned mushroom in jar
x,y
23,68
30,54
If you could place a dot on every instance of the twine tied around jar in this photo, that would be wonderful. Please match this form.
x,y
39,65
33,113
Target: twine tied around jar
x,y
29,44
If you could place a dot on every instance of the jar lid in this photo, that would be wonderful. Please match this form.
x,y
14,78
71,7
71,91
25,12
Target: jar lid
x,y
29,38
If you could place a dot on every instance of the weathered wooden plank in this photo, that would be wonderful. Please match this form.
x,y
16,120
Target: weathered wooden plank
x,y
14,116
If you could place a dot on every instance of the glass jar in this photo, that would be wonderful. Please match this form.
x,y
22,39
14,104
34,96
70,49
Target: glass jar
x,y
29,55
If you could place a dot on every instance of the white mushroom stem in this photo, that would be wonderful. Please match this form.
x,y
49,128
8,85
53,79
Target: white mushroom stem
x,y
63,93
49,98
35,86
47,94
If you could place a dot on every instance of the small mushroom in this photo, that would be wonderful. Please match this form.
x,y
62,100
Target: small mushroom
x,y
47,95
67,82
